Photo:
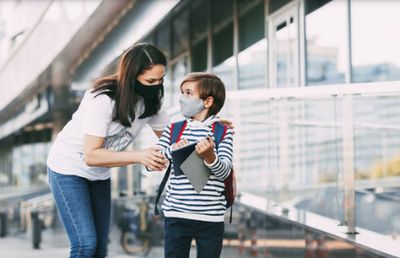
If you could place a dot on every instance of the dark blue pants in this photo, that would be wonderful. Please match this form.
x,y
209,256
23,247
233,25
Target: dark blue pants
x,y
180,232
84,207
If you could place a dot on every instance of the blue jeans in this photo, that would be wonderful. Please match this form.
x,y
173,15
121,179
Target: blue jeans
x,y
180,232
84,207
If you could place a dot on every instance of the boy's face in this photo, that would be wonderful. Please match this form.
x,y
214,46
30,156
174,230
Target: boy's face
x,y
190,90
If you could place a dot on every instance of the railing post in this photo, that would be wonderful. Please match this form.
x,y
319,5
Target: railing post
x,y
3,223
36,229
348,164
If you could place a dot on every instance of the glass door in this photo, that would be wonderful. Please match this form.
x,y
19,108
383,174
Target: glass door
x,y
284,47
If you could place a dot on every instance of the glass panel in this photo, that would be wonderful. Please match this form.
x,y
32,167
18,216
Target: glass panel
x,y
298,147
251,26
163,39
253,46
286,52
199,15
326,42
375,41
284,47
377,163
223,61
199,56
199,35
253,66
179,70
221,13
223,44
180,33
225,72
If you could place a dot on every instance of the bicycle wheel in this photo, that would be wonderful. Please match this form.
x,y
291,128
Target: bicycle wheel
x,y
131,244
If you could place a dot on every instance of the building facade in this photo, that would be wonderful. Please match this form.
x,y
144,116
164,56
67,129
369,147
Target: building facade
x,y
312,90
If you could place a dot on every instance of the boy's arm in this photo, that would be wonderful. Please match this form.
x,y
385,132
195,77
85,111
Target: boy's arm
x,y
222,165
165,142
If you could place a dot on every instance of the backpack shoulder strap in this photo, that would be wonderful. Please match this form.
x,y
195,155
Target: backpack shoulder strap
x,y
219,131
177,129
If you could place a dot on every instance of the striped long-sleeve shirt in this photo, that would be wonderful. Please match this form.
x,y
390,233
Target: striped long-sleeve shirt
x,y
181,200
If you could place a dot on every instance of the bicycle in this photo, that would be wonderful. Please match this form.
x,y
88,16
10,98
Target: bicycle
x,y
140,230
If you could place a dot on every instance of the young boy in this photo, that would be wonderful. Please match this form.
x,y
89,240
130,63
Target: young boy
x,y
189,214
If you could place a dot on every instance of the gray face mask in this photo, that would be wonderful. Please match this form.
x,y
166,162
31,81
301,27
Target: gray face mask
x,y
190,107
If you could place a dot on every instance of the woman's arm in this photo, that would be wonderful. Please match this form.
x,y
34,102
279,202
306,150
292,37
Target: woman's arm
x,y
95,155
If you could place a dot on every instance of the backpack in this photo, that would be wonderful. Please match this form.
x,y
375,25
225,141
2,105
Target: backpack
x,y
219,132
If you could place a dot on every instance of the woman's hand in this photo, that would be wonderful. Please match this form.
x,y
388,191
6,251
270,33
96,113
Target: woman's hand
x,y
153,159
205,149
226,123
180,144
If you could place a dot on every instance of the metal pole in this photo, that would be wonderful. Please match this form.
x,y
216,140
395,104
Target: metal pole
x,y
348,164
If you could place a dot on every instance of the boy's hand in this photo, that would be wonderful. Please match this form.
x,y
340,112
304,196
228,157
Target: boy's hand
x,y
180,144
205,149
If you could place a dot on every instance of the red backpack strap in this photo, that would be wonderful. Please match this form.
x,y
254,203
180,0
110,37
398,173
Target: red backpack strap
x,y
219,131
177,129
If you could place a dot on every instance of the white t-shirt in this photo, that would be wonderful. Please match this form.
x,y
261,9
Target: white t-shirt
x,y
94,117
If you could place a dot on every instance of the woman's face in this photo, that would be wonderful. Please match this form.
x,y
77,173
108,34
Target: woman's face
x,y
153,76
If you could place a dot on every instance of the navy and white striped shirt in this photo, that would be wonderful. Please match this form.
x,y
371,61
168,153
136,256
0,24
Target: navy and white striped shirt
x,y
181,200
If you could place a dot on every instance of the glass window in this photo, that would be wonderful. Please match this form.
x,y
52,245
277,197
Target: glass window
x,y
163,37
179,70
199,35
223,61
199,56
326,42
180,33
221,13
199,17
149,38
375,40
223,45
286,50
275,5
253,46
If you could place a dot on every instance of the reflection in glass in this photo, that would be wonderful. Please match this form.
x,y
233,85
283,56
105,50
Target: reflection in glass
x,y
286,38
284,49
180,30
377,163
326,42
199,35
225,72
163,36
222,60
252,58
179,71
291,151
375,41
253,66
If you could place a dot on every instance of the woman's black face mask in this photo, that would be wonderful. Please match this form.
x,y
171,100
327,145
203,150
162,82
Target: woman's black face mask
x,y
148,91
152,96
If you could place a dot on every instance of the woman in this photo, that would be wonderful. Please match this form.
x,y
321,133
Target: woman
x,y
109,117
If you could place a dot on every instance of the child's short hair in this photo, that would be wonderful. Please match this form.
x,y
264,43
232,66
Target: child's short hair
x,y
208,85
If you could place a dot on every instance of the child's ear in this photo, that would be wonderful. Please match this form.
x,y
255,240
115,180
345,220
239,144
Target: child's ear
x,y
208,102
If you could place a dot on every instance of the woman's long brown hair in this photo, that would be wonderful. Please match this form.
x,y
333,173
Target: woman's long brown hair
x,y
119,87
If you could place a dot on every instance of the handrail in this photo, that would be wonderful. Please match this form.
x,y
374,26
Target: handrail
x,y
367,240
364,89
